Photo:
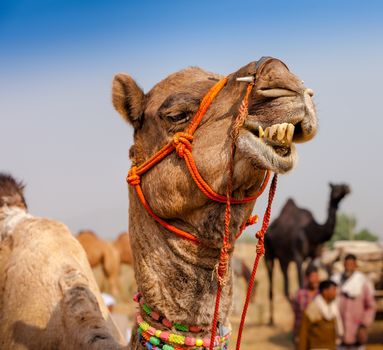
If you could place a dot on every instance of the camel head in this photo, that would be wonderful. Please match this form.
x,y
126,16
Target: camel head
x,y
281,113
11,192
338,192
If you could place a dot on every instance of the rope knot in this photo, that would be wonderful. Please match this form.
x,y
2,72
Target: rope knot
x,y
133,179
252,220
260,246
222,266
182,141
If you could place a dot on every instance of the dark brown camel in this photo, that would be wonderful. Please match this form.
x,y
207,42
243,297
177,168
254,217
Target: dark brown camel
x,y
296,236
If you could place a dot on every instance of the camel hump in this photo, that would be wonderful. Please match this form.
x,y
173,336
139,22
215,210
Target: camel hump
x,y
289,207
84,233
290,202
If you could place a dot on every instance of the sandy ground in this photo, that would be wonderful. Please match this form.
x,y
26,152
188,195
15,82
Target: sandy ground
x,y
257,334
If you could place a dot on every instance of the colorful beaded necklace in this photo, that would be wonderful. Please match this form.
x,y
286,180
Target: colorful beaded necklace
x,y
156,339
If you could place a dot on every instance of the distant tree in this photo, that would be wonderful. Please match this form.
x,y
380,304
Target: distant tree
x,y
366,235
345,230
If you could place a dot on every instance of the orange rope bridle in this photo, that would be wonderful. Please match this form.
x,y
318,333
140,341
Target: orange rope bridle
x,y
182,144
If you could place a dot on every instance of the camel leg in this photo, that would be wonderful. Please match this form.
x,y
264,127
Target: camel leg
x,y
111,268
299,263
284,268
270,268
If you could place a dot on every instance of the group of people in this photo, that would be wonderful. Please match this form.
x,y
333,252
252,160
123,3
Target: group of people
x,y
334,313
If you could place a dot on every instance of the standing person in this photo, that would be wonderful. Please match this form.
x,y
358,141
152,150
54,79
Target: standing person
x,y
303,297
321,323
356,303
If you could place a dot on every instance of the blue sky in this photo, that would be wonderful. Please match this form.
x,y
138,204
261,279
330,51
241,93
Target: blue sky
x,y
61,135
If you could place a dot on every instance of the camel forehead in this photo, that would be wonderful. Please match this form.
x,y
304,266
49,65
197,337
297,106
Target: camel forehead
x,y
177,82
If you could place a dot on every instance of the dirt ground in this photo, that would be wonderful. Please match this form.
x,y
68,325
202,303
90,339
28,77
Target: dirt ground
x,y
257,334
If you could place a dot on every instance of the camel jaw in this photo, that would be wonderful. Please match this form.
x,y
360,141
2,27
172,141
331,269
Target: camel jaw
x,y
265,154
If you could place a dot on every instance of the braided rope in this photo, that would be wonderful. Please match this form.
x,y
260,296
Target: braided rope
x,y
224,256
260,251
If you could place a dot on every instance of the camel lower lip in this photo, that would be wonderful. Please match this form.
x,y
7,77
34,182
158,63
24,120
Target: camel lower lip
x,y
263,155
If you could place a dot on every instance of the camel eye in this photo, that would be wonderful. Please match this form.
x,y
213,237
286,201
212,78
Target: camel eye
x,y
179,118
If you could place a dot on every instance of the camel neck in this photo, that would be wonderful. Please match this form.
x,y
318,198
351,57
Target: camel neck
x,y
176,277
329,225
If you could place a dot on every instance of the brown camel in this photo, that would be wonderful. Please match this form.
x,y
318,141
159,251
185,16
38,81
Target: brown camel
x,y
102,252
241,270
175,276
122,243
48,296
295,236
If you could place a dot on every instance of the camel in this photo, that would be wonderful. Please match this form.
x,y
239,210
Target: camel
x,y
102,252
122,244
241,270
48,296
177,277
295,236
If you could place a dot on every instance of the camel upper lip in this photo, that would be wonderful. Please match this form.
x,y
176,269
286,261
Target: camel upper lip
x,y
281,92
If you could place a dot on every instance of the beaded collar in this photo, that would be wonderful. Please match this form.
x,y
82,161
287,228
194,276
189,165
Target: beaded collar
x,y
156,339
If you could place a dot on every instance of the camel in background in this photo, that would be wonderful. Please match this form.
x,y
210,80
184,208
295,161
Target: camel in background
x,y
122,244
177,277
241,270
49,298
102,252
295,236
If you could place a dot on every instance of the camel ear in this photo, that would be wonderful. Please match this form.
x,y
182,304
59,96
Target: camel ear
x,y
128,99
331,185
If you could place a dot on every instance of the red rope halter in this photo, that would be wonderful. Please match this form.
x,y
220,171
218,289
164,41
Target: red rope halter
x,y
182,144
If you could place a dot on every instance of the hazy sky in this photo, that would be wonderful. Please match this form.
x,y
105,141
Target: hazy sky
x,y
61,135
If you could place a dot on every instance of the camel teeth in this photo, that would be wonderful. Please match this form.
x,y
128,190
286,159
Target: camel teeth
x,y
273,131
261,131
290,133
281,131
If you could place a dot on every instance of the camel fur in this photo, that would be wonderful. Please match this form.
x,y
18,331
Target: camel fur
x,y
48,296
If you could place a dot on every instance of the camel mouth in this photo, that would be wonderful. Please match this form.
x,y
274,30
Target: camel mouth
x,y
278,136
267,152
272,146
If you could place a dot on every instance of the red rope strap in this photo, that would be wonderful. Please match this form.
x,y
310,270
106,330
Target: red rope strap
x,y
224,256
260,251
